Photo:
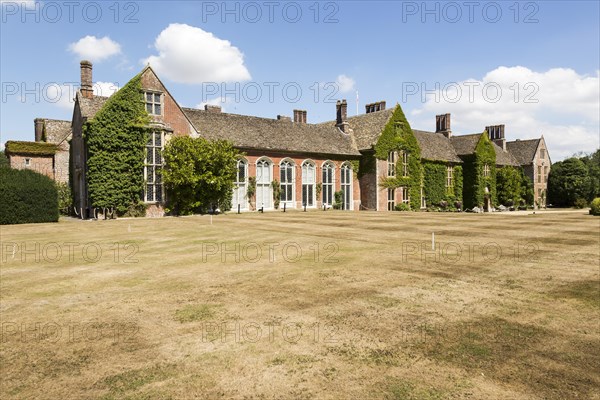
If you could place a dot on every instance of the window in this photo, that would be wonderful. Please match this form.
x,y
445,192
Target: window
x,y
27,162
423,201
404,164
264,192
405,195
240,186
539,174
328,183
346,185
449,176
391,199
546,173
308,184
486,170
153,103
153,168
391,164
542,153
286,175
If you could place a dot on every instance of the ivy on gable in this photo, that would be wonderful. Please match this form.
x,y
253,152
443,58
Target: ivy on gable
x,y
115,140
480,173
397,135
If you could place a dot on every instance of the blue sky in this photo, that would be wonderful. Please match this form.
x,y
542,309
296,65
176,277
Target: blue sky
x,y
533,66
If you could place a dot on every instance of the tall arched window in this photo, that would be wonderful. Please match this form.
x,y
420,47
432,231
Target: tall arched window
x,y
308,184
241,185
286,180
264,193
346,185
328,183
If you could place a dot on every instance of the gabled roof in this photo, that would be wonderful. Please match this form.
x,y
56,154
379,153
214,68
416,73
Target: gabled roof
x,y
57,131
523,150
270,134
89,107
465,144
436,147
504,157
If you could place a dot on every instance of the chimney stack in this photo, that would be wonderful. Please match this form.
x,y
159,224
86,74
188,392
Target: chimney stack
x,y
342,115
300,116
374,107
39,129
496,135
212,109
442,125
87,90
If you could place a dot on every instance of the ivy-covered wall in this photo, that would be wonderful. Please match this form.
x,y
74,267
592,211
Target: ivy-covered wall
x,y
398,136
115,139
473,173
435,174
513,186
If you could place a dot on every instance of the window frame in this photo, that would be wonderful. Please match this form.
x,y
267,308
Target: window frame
x,y
309,201
391,164
405,160
153,102
286,165
391,199
157,167
328,188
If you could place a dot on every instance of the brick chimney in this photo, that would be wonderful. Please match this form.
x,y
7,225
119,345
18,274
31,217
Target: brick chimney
x,y
342,115
374,107
212,109
496,135
300,116
442,125
87,90
39,129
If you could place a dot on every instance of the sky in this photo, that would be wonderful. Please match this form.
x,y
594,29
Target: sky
x,y
532,66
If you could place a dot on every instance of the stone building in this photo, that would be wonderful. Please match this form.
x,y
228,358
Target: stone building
x,y
312,161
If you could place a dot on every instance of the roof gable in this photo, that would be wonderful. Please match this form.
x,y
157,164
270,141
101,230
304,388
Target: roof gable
x,y
523,150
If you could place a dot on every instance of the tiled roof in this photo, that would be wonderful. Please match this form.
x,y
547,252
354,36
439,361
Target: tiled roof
x,y
436,147
465,144
504,157
270,134
523,150
89,107
366,128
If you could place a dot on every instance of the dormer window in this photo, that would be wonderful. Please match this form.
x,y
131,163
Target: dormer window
x,y
153,102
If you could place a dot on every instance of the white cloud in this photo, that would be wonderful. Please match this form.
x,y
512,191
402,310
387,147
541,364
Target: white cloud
x,y
187,54
93,49
559,103
217,101
344,83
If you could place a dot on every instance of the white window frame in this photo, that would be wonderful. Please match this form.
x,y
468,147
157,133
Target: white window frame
x,y
391,164
486,170
156,167
346,178
307,182
240,191
328,188
405,195
287,165
263,187
449,176
405,156
28,162
391,199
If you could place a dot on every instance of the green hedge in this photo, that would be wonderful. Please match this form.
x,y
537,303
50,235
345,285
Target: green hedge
x,y
595,206
27,197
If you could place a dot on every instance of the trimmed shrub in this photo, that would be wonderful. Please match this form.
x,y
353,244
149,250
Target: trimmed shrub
x,y
580,203
402,207
595,206
27,197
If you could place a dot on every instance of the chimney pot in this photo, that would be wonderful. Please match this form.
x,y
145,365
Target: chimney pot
x,y
87,90
300,116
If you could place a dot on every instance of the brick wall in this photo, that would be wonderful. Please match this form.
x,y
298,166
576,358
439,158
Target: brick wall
x,y
41,164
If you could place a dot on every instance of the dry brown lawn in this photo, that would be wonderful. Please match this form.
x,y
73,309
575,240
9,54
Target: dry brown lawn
x,y
325,305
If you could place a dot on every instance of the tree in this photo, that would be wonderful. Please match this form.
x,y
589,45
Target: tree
x,y
568,182
4,163
592,162
199,174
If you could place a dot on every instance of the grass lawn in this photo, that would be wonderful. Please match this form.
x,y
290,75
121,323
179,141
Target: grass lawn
x,y
327,305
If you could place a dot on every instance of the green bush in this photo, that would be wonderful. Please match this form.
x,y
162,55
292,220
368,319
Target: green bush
x,y
65,198
27,197
580,203
595,206
338,200
402,207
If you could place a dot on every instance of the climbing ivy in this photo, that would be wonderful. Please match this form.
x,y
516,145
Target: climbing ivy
x,y
473,172
397,135
115,140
